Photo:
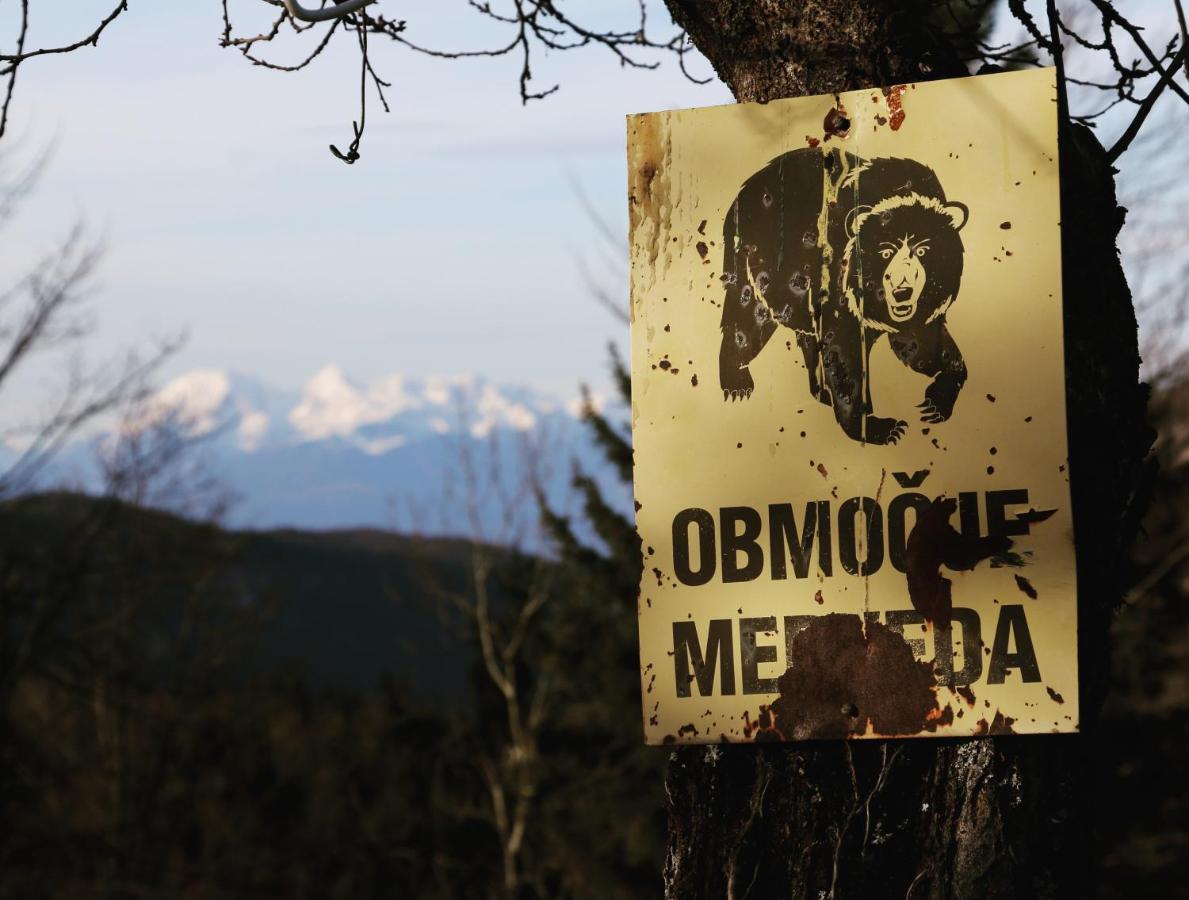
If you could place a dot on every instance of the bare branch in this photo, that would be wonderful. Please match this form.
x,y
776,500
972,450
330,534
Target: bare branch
x,y
1145,109
91,40
533,26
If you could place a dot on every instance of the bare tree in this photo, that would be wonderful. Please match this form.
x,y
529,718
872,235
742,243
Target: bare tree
x,y
494,485
43,315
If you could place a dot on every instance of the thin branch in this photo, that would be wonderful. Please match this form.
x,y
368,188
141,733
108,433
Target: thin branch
x,y
11,71
91,40
1145,109
1110,14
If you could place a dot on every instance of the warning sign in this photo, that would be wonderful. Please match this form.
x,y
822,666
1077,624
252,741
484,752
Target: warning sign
x,y
848,416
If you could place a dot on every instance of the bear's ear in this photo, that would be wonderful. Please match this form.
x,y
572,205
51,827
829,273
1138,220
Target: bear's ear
x,y
853,217
959,213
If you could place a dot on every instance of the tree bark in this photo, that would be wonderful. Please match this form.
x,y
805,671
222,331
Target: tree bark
x,y
987,817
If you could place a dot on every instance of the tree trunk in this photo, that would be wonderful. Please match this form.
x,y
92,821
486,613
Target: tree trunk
x,y
986,817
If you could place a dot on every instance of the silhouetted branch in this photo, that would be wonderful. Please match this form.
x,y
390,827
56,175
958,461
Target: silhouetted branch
x,y
533,26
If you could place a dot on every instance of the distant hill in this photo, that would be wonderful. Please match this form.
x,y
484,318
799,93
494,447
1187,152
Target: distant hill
x,y
346,608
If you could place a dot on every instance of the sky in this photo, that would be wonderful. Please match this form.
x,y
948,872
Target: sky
x,y
453,246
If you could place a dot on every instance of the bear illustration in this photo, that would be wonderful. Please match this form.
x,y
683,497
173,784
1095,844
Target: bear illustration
x,y
842,251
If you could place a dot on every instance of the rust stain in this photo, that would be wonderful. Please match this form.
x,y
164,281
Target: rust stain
x,y
1054,695
649,203
749,727
837,122
939,718
894,96
934,543
842,683
1000,724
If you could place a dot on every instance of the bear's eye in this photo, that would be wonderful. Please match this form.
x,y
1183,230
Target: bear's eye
x,y
885,253
920,251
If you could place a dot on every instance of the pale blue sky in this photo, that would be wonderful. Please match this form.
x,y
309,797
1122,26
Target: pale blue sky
x,y
450,247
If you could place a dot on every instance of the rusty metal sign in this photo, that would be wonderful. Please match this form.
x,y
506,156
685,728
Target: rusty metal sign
x,y
848,413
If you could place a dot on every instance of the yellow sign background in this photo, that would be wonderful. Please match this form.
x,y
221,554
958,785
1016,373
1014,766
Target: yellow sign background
x,y
992,143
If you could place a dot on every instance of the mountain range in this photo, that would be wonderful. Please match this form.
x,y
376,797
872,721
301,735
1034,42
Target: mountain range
x,y
438,455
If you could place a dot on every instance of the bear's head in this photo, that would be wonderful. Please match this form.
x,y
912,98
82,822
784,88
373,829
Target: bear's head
x,y
903,260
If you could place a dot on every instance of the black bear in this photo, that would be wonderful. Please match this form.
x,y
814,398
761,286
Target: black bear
x,y
842,251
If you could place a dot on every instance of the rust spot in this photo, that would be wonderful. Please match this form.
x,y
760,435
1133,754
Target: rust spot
x,y
811,141
939,718
664,364
836,123
1054,695
702,249
702,227
1026,586
694,381
895,105
934,543
836,667
689,728
1005,225
1001,724
818,598
822,469
966,694
749,727
991,398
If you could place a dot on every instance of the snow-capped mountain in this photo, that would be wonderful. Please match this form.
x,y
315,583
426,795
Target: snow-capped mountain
x,y
434,454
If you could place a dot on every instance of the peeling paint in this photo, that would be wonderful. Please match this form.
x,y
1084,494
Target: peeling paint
x,y
841,681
